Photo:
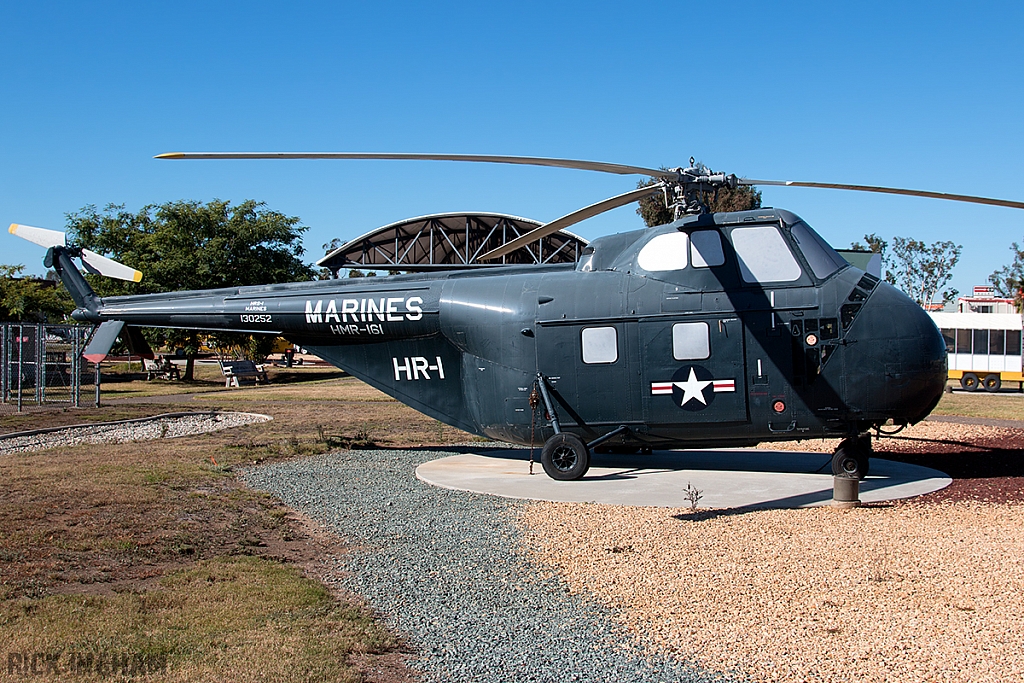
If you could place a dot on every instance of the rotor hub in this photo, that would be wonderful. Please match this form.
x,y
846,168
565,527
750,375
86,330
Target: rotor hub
x,y
692,186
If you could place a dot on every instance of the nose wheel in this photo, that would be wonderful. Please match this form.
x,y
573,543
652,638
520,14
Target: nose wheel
x,y
852,458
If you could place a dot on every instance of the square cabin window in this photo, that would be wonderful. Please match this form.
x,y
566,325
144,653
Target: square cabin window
x,y
665,252
600,345
691,341
706,249
764,256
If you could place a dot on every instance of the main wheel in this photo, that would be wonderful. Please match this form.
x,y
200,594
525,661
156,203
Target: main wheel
x,y
852,459
969,381
565,457
992,383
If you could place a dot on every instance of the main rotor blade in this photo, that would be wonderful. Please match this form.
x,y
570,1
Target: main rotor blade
x,y
571,219
601,166
887,190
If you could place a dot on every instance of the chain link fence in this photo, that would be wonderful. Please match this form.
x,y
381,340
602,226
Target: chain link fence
x,y
43,364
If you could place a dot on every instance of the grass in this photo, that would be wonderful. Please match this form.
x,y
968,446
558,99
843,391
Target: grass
x,y
156,548
230,618
1005,405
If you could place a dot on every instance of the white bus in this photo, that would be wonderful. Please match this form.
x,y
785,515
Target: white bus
x,y
984,349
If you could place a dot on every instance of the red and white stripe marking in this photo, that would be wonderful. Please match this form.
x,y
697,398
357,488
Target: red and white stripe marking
x,y
719,385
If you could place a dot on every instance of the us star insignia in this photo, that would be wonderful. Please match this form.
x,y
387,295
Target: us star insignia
x,y
691,387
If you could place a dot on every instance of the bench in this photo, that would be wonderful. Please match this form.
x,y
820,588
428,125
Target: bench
x,y
160,370
238,372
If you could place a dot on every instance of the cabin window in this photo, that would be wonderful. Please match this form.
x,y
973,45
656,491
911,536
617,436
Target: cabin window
x,y
980,341
822,258
586,263
764,256
691,341
1013,342
706,249
665,252
963,341
600,345
995,342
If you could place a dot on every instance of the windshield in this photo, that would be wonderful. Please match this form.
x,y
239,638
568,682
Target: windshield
x,y
822,258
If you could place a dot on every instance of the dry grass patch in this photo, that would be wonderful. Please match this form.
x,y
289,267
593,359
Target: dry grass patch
x,y
1001,406
238,619
155,548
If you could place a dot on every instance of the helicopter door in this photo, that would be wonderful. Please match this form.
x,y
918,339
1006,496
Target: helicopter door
x,y
692,370
588,366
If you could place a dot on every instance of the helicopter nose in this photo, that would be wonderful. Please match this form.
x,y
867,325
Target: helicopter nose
x,y
896,367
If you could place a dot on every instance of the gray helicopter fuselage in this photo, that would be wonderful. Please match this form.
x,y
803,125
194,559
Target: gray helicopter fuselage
x,y
716,330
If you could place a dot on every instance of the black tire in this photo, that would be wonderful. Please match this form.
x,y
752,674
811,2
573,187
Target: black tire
x,y
565,457
852,459
969,381
992,383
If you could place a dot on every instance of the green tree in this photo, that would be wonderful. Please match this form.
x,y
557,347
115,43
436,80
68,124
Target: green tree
x,y
1008,281
193,245
31,300
877,245
654,210
922,270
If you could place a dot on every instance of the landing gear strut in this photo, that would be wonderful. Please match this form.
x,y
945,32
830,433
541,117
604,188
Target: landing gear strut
x,y
852,458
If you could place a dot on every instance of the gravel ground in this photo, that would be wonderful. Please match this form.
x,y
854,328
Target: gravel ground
x,y
489,589
913,592
446,568
926,590
155,428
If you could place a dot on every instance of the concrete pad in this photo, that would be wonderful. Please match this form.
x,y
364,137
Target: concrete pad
x,y
728,478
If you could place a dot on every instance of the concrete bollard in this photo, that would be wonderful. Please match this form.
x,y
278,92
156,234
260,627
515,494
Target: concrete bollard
x,y
845,492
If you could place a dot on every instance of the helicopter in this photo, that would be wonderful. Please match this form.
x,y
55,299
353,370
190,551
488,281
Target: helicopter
x,y
714,330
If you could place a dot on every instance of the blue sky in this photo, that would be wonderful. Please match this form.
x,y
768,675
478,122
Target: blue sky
x,y
925,95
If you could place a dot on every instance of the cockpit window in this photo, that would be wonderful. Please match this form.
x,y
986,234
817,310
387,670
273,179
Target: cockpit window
x,y
822,258
764,256
706,249
665,252
586,262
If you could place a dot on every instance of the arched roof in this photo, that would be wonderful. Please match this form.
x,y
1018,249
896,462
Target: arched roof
x,y
445,241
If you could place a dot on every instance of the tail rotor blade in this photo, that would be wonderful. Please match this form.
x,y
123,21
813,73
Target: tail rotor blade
x,y
101,265
41,236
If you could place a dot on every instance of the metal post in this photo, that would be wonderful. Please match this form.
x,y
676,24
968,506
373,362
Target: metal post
x,y
548,405
76,367
40,364
21,365
845,492
5,371
97,385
